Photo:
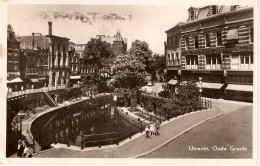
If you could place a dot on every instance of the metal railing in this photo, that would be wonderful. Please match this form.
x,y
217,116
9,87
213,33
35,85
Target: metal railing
x,y
206,103
29,91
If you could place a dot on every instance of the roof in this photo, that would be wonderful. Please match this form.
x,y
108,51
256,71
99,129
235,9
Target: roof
x,y
203,12
176,26
39,41
118,37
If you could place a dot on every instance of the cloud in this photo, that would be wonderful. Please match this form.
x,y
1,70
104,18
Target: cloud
x,y
71,16
112,17
90,18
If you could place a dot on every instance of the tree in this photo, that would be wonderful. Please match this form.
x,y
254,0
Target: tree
x,y
140,50
157,63
188,96
128,73
98,52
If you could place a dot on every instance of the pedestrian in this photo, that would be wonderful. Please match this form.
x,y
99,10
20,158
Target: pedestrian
x,y
152,129
20,149
26,152
147,131
157,127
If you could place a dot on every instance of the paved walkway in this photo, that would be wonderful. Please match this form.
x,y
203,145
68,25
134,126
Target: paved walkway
x,y
234,128
138,145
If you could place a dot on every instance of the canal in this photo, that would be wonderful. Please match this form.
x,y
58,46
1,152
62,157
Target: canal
x,y
93,122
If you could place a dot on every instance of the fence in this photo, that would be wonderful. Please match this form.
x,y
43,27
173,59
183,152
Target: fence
x,y
206,103
108,138
29,91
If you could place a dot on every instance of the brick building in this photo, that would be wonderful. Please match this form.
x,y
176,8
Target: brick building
x,y
119,45
14,82
80,69
216,44
49,53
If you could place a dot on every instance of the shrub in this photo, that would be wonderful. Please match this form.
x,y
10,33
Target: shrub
x,y
186,100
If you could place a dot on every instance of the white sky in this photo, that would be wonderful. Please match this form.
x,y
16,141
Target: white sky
x,y
147,23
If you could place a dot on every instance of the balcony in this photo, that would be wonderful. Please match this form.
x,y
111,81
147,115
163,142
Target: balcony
x,y
176,62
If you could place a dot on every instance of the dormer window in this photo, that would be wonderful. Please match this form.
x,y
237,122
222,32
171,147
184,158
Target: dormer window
x,y
214,9
193,12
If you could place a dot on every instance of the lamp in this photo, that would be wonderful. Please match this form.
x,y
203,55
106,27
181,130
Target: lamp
x,y
225,72
21,115
200,85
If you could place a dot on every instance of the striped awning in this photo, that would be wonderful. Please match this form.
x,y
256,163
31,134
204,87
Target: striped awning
x,y
235,87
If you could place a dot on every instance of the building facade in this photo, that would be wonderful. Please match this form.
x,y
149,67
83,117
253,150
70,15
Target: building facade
x,y
217,46
47,57
13,54
119,45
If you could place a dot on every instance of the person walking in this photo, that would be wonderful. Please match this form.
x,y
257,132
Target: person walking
x,y
157,127
152,129
20,149
26,152
147,131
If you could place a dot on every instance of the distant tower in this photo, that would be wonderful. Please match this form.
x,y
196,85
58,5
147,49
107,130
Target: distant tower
x,y
119,46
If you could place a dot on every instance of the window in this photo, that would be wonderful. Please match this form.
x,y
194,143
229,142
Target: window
x,y
246,61
177,41
173,57
251,35
15,67
10,52
214,9
196,42
169,58
9,66
177,55
187,43
219,39
192,62
213,61
207,40
192,15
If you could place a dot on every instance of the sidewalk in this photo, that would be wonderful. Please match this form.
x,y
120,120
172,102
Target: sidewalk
x,y
139,145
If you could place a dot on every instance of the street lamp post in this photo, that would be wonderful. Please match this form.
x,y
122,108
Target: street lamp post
x,y
21,114
200,86
165,78
179,74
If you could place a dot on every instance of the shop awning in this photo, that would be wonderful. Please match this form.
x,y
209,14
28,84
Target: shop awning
x,y
34,80
173,82
16,80
235,87
75,77
232,34
210,85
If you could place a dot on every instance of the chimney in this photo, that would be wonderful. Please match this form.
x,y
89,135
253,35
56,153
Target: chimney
x,y
50,28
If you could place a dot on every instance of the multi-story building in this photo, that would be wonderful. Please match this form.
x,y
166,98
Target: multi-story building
x,y
217,47
13,54
50,53
80,69
13,61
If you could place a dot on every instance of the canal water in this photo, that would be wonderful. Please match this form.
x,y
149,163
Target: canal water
x,y
95,122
